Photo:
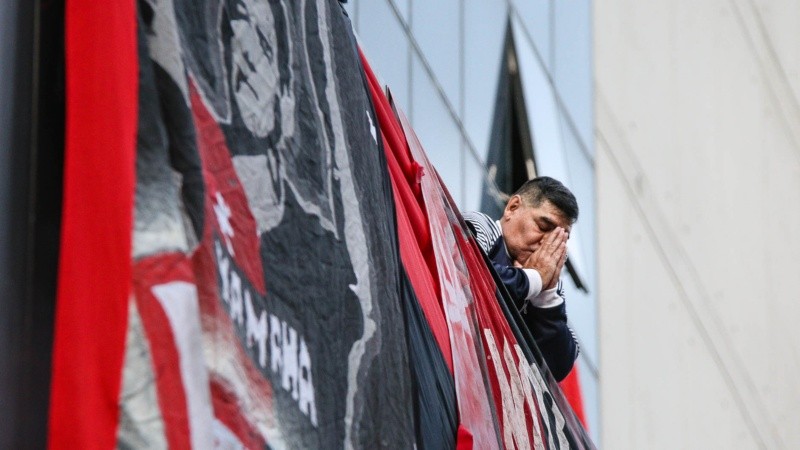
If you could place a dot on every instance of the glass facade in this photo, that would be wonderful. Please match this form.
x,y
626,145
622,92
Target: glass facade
x,y
441,61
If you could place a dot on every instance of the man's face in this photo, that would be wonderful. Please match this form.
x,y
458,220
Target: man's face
x,y
525,226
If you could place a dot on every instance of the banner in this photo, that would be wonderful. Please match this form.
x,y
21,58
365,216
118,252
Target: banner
x,y
267,304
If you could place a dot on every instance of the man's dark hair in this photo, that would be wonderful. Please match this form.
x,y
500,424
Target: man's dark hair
x,y
539,189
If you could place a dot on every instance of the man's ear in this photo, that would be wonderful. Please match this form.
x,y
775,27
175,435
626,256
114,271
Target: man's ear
x,y
513,204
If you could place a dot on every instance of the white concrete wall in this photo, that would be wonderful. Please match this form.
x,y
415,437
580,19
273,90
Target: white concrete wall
x,y
698,200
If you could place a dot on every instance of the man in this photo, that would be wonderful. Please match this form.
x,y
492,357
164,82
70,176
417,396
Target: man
x,y
528,249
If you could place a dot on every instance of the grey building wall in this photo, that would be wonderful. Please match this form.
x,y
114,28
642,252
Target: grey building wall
x,y
698,211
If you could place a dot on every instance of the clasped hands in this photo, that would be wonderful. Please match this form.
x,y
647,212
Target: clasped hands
x,y
549,258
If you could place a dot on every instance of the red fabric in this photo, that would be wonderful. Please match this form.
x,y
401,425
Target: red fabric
x,y
571,386
520,409
222,183
172,399
463,439
422,280
466,300
475,410
95,259
492,318
228,410
416,251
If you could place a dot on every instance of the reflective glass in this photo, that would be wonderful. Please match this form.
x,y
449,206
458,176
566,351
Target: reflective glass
x,y
572,66
552,142
437,131
542,109
404,6
474,175
435,25
485,25
386,47
535,15
580,170
582,313
582,307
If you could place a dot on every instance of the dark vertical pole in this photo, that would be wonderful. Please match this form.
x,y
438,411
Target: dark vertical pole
x,y
31,162
16,97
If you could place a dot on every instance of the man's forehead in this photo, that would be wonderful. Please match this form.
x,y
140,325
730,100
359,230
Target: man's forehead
x,y
548,211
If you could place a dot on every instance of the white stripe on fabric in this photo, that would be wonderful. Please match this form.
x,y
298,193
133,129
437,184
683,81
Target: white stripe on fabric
x,y
577,344
179,300
486,230
224,439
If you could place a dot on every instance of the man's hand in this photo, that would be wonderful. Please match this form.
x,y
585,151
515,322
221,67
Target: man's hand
x,y
549,258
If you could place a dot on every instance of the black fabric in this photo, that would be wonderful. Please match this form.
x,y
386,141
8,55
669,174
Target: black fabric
x,y
435,397
510,141
301,254
435,411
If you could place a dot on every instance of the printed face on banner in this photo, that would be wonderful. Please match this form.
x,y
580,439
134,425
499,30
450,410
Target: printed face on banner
x,y
270,61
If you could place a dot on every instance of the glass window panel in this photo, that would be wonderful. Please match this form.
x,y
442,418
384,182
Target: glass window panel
x,y
386,47
485,25
542,110
437,131
551,144
583,313
404,6
435,27
474,176
572,67
581,178
353,8
535,15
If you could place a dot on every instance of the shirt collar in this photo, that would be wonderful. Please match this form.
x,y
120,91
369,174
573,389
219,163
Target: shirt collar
x,y
505,249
